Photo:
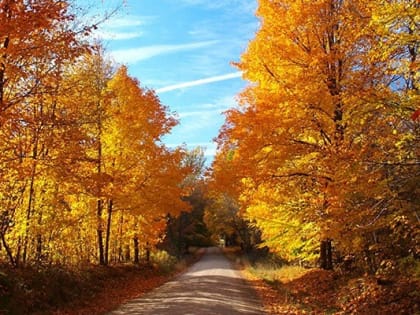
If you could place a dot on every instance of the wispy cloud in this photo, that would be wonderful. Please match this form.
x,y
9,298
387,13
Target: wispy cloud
x,y
214,109
210,4
122,28
133,55
128,21
199,82
238,5
113,35
199,120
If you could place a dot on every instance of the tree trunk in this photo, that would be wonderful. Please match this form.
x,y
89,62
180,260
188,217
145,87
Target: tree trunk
x,y
120,237
108,232
136,250
3,107
39,240
30,206
100,234
13,262
39,247
127,253
329,255
120,254
326,255
18,255
147,253
99,188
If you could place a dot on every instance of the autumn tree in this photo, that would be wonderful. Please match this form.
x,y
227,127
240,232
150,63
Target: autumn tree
x,y
145,177
37,41
37,37
188,228
224,214
80,145
127,177
319,109
397,26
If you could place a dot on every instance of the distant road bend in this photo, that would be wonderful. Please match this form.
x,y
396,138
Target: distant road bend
x,y
211,286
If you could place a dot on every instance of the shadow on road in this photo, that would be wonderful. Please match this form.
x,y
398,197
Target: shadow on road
x,y
200,295
211,286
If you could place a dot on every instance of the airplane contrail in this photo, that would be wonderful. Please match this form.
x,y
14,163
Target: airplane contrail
x,y
199,82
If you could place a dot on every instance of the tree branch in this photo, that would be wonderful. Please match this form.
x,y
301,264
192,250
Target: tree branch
x,y
302,174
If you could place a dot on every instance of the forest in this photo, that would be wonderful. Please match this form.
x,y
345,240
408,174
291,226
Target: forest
x,y
322,154
317,166
73,171
320,159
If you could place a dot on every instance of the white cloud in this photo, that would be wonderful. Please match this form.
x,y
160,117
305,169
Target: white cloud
x,y
199,82
129,21
207,110
108,35
133,55
215,4
200,113
197,120
241,6
211,150
229,101
122,28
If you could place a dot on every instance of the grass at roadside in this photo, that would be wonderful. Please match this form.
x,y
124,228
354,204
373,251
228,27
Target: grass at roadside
x,y
90,290
295,290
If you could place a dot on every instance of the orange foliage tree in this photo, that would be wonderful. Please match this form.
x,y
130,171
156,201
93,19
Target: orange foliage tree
x,y
333,86
36,41
83,171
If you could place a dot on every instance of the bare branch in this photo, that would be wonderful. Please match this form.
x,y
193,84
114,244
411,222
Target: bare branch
x,y
302,174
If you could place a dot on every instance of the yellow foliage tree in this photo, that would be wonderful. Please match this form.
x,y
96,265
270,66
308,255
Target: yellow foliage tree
x,y
323,105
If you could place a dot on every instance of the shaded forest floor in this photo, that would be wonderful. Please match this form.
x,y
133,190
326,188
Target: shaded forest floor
x,y
90,290
295,290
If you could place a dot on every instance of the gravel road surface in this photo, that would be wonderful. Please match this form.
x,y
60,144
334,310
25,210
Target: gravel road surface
x,y
211,286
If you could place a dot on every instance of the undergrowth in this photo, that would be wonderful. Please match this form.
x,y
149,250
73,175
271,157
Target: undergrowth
x,y
289,289
81,290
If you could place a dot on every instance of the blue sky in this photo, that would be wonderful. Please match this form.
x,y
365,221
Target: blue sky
x,y
183,50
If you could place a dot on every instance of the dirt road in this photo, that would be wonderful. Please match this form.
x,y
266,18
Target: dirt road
x,y
211,286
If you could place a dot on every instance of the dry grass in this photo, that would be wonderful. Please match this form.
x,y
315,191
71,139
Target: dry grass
x,y
296,290
91,290
283,274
